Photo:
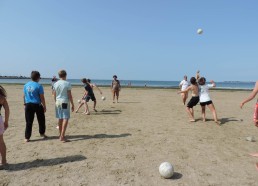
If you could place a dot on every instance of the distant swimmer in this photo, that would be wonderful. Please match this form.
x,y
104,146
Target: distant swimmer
x,y
184,84
116,88
194,100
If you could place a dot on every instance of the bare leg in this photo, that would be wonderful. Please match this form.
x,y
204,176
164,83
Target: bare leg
x,y
256,165
117,96
94,105
203,114
190,113
86,111
60,123
63,130
184,97
114,95
214,113
254,154
79,107
2,150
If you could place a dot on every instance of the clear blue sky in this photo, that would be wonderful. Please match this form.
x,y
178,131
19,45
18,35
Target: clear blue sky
x,y
135,39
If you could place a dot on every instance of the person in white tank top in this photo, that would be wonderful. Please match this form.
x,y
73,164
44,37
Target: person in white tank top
x,y
184,84
205,99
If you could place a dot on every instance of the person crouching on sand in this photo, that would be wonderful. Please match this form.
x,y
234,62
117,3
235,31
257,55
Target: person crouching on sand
x,y
205,98
194,100
255,118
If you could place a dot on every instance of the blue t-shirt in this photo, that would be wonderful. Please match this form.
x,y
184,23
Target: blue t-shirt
x,y
32,91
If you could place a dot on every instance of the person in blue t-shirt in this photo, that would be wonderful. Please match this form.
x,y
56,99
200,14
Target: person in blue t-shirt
x,y
34,102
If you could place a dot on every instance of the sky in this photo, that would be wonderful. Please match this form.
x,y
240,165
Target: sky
x,y
134,39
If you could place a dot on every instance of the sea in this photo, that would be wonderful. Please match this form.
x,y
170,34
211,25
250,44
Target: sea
x,y
139,83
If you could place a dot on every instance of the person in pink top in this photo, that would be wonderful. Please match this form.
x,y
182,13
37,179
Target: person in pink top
x,y
255,118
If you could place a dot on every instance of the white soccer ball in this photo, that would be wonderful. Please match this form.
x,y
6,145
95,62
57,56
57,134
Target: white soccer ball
x,y
103,98
79,101
166,170
199,31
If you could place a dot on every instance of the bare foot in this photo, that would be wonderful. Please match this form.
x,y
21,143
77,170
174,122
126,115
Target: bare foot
x,y
26,140
86,113
76,111
64,140
204,120
254,154
218,123
95,110
256,165
192,120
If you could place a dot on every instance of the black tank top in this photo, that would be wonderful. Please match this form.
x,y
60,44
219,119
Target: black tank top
x,y
88,89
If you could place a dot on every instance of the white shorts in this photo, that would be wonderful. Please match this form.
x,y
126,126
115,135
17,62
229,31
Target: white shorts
x,y
1,126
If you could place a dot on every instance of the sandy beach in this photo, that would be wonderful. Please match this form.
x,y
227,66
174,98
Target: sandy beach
x,y
124,143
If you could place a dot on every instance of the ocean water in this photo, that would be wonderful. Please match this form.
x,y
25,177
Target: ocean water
x,y
138,83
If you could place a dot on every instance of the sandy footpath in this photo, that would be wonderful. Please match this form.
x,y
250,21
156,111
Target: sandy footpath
x,y
124,143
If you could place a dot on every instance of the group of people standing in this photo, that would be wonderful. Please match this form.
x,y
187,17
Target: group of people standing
x,y
200,93
34,103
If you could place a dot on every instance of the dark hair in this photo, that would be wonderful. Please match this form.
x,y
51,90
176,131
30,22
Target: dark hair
x,y
114,76
202,81
89,80
62,73
84,80
2,92
193,80
35,75
54,79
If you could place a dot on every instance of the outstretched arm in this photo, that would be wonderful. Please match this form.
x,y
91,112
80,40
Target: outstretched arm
x,y
213,83
97,88
198,75
186,90
251,96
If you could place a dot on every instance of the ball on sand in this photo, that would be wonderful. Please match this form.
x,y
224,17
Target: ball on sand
x,y
199,31
103,98
166,170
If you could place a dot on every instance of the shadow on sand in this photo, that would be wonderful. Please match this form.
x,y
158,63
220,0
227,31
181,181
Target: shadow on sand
x,y
108,112
44,163
177,176
227,120
97,136
129,102
85,137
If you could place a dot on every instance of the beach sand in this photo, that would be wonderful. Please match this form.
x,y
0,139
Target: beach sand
x,y
124,143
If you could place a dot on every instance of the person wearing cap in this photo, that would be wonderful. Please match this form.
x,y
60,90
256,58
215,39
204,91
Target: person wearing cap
x,y
34,102
116,87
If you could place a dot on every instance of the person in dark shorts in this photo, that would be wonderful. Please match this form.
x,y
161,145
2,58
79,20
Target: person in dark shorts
x,y
194,100
205,98
88,95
